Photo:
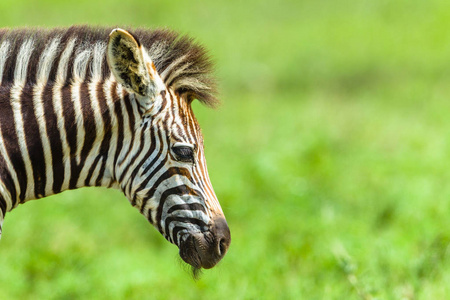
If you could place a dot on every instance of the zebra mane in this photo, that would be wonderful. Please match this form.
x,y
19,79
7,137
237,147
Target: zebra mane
x,y
182,63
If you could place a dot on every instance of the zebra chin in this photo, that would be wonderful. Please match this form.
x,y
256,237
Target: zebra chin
x,y
206,249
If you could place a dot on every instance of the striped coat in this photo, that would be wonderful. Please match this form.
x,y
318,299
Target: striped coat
x,y
82,107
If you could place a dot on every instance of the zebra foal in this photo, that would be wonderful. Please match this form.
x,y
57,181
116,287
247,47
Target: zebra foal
x,y
105,107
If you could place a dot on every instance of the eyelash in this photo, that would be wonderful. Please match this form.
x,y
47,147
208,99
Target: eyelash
x,y
184,153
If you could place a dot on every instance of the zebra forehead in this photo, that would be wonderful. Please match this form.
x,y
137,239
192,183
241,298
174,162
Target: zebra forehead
x,y
183,64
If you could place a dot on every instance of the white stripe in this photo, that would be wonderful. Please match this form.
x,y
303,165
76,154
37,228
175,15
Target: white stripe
x,y
107,86
170,68
57,104
84,172
97,61
79,72
79,120
199,168
188,82
18,120
200,171
46,61
100,132
96,172
6,195
99,124
127,143
13,173
79,65
153,203
44,67
136,144
4,53
210,200
159,147
40,118
20,72
61,76
63,65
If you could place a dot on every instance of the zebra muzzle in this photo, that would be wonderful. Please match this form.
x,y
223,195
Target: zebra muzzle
x,y
206,249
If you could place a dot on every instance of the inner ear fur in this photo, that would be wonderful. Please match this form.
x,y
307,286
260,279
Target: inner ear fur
x,y
127,62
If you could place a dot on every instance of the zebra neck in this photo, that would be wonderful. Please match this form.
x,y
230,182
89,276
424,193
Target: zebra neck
x,y
54,138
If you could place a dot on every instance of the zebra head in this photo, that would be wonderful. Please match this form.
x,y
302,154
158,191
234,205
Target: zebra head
x,y
164,174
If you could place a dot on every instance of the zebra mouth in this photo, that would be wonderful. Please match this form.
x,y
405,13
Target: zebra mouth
x,y
189,253
205,250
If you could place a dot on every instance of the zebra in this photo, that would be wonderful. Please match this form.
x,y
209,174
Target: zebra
x,y
87,106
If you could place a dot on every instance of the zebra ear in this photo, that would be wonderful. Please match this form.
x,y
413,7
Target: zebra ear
x,y
131,65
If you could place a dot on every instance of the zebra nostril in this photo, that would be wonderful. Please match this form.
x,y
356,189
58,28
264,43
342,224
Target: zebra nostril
x,y
222,236
222,247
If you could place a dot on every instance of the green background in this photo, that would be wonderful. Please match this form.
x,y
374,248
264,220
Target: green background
x,y
329,155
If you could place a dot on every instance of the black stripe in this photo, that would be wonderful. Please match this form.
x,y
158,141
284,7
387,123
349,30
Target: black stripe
x,y
71,133
2,206
143,184
73,54
33,63
7,126
157,157
54,137
203,226
10,64
91,170
8,181
186,206
89,122
150,151
178,190
166,175
175,231
33,141
55,63
131,122
104,147
120,126
90,128
146,156
134,156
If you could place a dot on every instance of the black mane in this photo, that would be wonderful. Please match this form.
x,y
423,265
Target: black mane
x,y
182,63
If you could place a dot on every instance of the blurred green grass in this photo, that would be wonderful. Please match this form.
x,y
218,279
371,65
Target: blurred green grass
x,y
329,155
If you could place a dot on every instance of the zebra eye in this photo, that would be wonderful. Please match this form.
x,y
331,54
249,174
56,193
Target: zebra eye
x,y
184,153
